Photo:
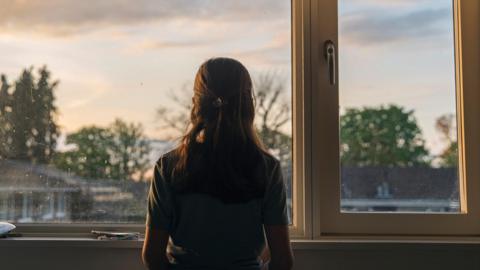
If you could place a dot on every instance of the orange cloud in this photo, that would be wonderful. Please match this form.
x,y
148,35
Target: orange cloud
x,y
69,17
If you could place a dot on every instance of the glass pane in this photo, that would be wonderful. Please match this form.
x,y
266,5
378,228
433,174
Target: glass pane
x,y
397,106
92,94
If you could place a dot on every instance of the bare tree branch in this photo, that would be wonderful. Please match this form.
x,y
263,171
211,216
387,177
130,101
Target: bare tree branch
x,y
272,110
175,117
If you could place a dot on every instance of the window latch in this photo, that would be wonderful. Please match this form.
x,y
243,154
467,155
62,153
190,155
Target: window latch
x,y
329,52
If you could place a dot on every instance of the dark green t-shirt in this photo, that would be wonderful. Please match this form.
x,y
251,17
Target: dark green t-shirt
x,y
209,234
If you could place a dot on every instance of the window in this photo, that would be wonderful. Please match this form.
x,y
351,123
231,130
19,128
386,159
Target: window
x,y
123,80
92,95
400,160
398,137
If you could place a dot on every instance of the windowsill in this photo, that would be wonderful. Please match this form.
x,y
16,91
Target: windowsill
x,y
328,243
383,243
37,242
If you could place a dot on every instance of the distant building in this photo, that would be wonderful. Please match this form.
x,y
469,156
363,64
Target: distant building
x,y
159,147
31,193
40,193
399,189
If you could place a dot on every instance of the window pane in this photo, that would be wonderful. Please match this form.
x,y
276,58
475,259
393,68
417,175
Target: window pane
x,y
92,94
397,106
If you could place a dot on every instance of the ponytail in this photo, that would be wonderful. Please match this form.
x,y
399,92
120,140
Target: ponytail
x,y
221,153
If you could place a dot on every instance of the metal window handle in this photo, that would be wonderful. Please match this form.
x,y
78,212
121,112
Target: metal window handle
x,y
330,56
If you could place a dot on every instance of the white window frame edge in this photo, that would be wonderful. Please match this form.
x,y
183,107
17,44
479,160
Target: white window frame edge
x,y
327,219
301,197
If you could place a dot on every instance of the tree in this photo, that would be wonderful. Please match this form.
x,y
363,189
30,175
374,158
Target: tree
x,y
5,111
5,98
45,130
272,114
119,151
130,150
176,119
446,125
90,156
381,136
27,116
22,117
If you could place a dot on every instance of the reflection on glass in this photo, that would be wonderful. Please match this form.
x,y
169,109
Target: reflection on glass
x,y
92,95
397,107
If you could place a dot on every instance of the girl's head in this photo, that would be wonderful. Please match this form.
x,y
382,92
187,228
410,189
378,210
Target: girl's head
x,y
223,94
220,151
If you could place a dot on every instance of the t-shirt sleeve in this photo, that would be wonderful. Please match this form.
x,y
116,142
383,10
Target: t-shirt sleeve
x,y
275,200
160,201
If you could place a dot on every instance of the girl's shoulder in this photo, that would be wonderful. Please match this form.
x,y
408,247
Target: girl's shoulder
x,y
166,162
270,161
168,157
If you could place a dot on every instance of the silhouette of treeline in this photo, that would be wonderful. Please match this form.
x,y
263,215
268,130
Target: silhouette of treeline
x,y
119,151
28,117
390,136
29,132
370,136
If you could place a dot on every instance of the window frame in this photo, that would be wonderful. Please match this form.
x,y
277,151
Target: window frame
x,y
328,220
301,180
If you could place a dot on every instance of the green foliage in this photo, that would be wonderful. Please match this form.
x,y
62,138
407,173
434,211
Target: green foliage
x,y
279,143
5,114
446,125
130,150
449,157
22,116
27,117
382,136
119,151
45,130
90,157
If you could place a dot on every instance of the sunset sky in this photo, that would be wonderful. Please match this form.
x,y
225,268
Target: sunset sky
x,y
402,52
121,58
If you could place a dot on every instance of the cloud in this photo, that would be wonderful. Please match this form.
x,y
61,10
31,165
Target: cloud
x,y
168,44
86,92
275,52
370,28
147,45
68,17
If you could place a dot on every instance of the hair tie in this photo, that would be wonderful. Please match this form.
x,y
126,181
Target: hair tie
x,y
218,102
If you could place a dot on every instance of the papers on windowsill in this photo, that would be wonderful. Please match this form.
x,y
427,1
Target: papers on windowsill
x,y
105,235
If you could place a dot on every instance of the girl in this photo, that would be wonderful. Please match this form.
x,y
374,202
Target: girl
x,y
217,196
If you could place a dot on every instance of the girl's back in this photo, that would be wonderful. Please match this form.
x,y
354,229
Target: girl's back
x,y
206,232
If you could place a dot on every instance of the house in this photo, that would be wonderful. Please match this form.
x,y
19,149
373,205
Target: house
x,y
412,189
35,193
41,193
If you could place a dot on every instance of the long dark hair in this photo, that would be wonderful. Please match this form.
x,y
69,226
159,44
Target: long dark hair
x,y
221,153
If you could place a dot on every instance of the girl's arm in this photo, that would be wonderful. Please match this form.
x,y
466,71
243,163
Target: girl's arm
x,y
154,249
279,245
